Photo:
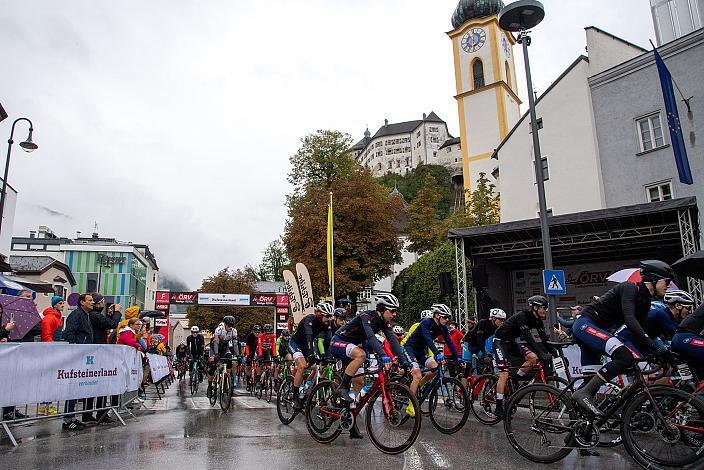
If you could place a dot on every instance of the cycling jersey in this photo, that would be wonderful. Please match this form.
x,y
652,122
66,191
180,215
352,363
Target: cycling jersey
x,y
308,329
689,338
266,344
659,323
694,322
628,304
222,338
195,345
363,328
410,332
479,334
181,351
422,337
252,340
282,347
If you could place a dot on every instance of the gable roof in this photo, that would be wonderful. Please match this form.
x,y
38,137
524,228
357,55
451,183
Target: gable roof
x,y
616,37
405,127
448,142
39,265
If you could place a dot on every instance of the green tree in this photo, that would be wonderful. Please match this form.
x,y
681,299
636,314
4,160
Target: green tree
x,y
274,261
424,227
418,285
228,281
484,204
411,183
366,244
322,157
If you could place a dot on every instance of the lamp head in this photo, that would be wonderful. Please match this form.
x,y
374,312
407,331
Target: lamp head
x,y
29,146
521,15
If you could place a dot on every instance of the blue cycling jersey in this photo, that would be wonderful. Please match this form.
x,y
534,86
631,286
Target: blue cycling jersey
x,y
423,336
659,322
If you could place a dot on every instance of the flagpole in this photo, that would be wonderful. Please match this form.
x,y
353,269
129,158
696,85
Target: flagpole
x,y
332,252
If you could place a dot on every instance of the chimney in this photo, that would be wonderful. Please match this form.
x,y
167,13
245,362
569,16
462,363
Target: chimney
x,y
424,116
32,234
386,122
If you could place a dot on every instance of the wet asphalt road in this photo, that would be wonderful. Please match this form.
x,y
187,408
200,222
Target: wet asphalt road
x,y
181,432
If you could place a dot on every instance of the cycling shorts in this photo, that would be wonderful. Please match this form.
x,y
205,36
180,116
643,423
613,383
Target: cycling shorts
x,y
508,352
689,345
212,366
296,350
595,342
342,350
417,356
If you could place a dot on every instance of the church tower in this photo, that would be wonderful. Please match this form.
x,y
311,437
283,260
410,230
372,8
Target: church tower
x,y
485,77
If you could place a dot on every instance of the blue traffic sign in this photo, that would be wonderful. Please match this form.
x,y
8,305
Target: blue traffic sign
x,y
554,282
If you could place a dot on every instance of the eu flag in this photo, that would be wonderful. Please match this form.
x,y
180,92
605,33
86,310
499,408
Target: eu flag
x,y
673,121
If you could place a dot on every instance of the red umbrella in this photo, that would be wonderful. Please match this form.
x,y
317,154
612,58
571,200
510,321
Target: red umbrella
x,y
22,311
632,275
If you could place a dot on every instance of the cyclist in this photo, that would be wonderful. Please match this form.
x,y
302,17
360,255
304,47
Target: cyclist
x,y
419,344
266,346
689,339
349,341
662,320
323,339
282,346
423,315
251,342
302,346
181,356
478,338
196,346
399,332
628,304
506,348
220,347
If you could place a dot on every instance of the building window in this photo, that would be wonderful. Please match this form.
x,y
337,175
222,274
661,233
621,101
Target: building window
x,y
546,169
449,149
508,74
478,73
418,134
659,191
650,134
435,154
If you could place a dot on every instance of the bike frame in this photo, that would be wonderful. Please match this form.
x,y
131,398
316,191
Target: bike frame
x,y
380,383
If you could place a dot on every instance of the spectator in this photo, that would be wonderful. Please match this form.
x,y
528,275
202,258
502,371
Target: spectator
x,y
128,334
130,313
10,412
50,324
5,331
101,324
78,331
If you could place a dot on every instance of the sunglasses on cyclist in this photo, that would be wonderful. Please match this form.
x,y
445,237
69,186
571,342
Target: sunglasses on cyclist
x,y
392,310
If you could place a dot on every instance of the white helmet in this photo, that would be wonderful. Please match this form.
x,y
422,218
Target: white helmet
x,y
325,308
497,313
442,309
195,329
426,314
678,297
398,329
387,300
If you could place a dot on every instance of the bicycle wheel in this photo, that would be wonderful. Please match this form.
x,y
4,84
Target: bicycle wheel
x,y
667,430
212,386
484,399
321,413
269,389
225,393
539,423
260,388
448,405
284,401
386,426
193,384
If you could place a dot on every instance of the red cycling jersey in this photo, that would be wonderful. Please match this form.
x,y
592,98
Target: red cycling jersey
x,y
266,343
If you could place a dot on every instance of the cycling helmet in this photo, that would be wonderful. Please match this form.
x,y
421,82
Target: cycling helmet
x,y
398,329
679,297
183,343
426,314
229,320
324,308
284,333
653,270
257,328
538,301
497,313
340,313
387,300
442,309
268,328
195,329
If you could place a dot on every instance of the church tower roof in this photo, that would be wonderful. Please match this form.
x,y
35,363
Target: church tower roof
x,y
470,9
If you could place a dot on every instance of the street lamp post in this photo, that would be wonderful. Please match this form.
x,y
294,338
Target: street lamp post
x,y
28,146
519,17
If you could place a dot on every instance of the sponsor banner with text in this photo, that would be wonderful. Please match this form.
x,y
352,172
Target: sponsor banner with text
x,y
263,300
183,298
223,299
66,371
159,366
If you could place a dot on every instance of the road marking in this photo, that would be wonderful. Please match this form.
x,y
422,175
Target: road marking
x,y
411,460
437,456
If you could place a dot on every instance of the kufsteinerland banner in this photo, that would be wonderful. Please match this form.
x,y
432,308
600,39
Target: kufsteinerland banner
x,y
159,366
45,372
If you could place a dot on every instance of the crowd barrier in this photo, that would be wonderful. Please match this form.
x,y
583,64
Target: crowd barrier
x,y
44,374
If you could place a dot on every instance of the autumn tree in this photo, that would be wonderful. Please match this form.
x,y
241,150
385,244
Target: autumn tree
x,y
412,182
424,228
274,261
322,158
228,281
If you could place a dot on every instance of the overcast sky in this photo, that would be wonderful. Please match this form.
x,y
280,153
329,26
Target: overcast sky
x,y
170,122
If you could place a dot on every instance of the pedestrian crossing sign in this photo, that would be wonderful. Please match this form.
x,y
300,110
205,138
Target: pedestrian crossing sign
x,y
554,282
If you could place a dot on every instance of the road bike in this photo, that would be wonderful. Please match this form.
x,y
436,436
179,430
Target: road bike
x,y
220,389
265,389
195,376
388,425
285,408
660,425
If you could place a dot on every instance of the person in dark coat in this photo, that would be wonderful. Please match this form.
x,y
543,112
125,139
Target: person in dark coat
x,y
101,323
78,331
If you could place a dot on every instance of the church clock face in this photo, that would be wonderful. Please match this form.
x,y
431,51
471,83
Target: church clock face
x,y
473,40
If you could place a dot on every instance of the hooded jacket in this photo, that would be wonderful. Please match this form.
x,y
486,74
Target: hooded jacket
x,y
50,323
127,338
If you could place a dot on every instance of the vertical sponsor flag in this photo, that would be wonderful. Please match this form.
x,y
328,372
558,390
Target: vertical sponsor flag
x,y
306,288
330,251
673,121
3,114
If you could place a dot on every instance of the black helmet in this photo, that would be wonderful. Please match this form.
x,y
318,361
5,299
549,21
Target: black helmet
x,y
339,313
538,301
229,320
268,328
284,333
652,270
256,328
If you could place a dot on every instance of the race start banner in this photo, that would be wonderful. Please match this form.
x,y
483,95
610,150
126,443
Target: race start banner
x,y
45,372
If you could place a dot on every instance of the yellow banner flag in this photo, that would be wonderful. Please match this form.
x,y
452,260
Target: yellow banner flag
x,y
330,251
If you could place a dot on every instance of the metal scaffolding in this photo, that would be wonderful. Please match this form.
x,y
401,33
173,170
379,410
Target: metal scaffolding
x,y
690,244
461,271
